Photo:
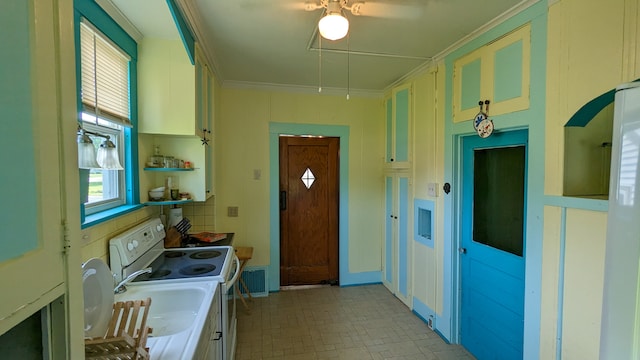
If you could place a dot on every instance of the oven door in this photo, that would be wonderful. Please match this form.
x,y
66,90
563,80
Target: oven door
x,y
229,310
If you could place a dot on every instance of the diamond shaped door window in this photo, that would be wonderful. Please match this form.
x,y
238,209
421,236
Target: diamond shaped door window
x,y
308,178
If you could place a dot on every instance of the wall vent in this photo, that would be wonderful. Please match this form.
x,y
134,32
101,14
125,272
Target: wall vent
x,y
255,277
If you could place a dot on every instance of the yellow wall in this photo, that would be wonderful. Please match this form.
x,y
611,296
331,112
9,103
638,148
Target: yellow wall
x,y
428,152
243,146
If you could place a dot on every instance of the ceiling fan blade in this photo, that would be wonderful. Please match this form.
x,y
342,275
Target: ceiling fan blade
x,y
389,10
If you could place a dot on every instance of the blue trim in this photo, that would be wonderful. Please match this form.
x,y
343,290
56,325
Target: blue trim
x,y
403,236
428,205
536,14
185,34
362,284
103,216
577,203
424,312
563,236
102,21
388,232
341,131
589,110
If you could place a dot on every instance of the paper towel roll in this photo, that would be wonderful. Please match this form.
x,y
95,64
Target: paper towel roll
x,y
175,215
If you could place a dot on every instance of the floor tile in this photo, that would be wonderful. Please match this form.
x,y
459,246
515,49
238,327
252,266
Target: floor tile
x,y
350,323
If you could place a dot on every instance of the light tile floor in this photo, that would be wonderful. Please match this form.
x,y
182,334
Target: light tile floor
x,y
351,323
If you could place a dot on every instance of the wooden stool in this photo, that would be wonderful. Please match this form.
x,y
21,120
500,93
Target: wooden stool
x,y
244,254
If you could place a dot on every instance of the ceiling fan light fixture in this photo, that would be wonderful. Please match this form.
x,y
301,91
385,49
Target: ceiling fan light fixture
x,y
333,26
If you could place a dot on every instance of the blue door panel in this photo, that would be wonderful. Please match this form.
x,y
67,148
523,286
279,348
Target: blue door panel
x,y
492,280
389,230
403,236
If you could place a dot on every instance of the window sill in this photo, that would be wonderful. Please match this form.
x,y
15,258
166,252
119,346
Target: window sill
x,y
95,219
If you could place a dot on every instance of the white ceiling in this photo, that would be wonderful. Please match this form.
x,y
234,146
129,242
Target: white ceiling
x,y
275,43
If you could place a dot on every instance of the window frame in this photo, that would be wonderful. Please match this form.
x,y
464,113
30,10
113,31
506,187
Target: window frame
x,y
94,14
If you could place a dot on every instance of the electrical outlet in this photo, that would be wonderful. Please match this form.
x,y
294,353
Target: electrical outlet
x,y
432,189
232,211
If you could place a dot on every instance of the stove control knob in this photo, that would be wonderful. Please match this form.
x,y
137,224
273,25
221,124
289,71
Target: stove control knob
x,y
130,246
159,227
135,243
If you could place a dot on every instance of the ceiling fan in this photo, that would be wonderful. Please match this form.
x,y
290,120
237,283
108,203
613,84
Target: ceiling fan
x,y
334,25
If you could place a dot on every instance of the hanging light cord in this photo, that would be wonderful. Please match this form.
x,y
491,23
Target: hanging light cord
x,y
348,64
320,63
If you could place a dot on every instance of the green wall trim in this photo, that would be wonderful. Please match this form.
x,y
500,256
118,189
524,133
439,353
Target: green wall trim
x,y
576,203
183,29
341,131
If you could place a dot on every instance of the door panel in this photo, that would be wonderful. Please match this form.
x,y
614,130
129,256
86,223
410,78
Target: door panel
x,y
309,210
492,257
32,236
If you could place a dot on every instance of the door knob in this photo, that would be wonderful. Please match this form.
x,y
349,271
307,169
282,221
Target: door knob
x,y
462,250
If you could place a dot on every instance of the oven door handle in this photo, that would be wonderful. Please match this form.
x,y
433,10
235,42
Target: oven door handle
x,y
235,277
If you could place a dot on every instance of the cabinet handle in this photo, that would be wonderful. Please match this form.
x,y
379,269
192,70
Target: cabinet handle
x,y
218,335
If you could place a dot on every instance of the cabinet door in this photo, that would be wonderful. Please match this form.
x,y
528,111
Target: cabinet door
x,y
31,256
398,123
397,261
498,72
166,88
209,133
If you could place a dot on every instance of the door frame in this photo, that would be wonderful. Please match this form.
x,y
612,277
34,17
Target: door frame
x,y
340,131
506,139
452,230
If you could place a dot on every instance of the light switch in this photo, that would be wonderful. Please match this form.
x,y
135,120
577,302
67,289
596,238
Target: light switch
x,y
257,174
432,189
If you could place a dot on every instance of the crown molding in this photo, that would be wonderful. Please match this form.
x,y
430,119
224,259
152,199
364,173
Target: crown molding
x,y
121,19
516,9
331,91
194,21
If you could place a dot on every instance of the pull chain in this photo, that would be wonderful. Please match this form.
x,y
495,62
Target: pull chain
x,y
320,63
348,64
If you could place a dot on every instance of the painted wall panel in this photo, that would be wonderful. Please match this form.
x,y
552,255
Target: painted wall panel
x,y
243,145
583,283
508,70
550,279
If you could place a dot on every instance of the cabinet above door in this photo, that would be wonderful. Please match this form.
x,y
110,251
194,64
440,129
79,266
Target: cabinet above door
x,y
398,127
498,72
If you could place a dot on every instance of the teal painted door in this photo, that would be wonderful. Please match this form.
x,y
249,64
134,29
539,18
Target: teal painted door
x,y
492,245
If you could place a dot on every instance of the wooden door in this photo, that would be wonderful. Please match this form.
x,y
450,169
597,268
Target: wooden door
x,y
308,210
493,245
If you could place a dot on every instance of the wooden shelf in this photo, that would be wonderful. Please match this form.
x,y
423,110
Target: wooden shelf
x,y
167,202
168,169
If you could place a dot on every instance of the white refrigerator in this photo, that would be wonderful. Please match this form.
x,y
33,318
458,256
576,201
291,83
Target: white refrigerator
x,y
620,335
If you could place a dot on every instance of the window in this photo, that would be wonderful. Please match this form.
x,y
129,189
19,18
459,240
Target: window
x,y
104,94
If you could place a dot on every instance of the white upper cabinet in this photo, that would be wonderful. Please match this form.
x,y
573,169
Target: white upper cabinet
x,y
171,91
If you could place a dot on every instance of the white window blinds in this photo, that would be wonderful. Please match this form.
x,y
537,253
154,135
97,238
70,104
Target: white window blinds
x,y
105,77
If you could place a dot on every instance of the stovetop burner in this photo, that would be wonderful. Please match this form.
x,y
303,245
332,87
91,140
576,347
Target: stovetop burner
x,y
173,254
205,254
197,269
186,263
159,274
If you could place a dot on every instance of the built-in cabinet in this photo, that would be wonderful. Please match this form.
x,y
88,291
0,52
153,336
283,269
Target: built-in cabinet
x,y
397,258
398,127
498,72
177,110
38,138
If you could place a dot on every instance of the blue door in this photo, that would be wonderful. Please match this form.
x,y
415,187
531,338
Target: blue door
x,y
492,246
